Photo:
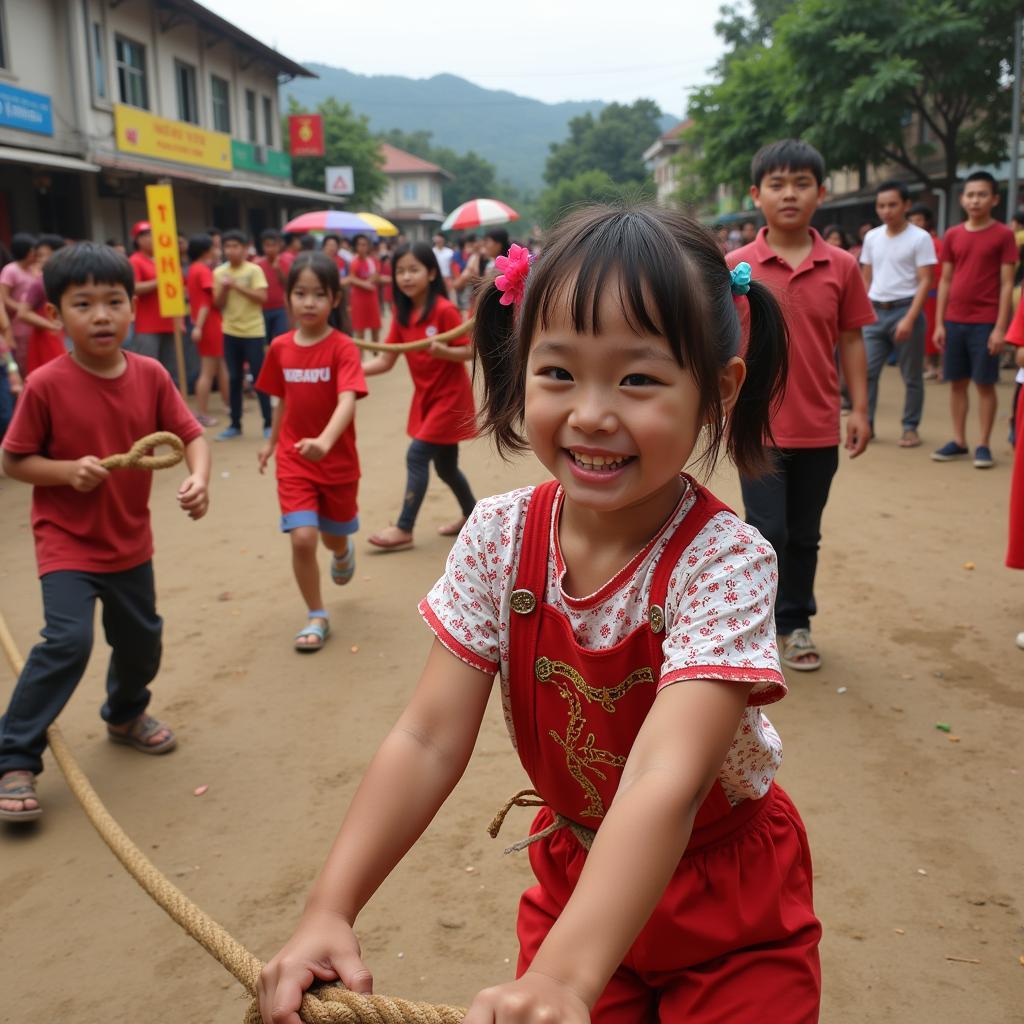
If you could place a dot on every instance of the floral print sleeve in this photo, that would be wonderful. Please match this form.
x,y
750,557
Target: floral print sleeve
x,y
720,611
466,608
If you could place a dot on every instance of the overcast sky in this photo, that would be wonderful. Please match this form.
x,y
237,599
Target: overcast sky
x,y
547,49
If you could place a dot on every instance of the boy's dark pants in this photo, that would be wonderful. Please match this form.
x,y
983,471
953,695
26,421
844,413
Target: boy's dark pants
x,y
238,352
53,670
786,507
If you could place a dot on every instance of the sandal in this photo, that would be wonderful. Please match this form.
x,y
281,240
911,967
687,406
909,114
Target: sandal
x,y
797,651
452,529
19,785
910,439
390,543
318,631
344,568
141,731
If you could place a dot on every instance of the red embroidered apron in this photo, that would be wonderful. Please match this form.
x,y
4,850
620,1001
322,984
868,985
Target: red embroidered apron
x,y
576,713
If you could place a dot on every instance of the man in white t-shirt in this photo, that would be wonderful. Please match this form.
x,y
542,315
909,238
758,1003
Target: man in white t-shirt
x,y
897,261
444,259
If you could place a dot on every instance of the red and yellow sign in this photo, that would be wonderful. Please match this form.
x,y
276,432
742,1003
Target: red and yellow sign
x,y
138,131
306,133
170,287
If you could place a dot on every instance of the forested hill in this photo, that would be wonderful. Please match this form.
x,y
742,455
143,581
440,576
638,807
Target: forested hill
x,y
510,131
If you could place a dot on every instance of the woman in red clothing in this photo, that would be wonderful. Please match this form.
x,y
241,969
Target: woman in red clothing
x,y
362,281
442,412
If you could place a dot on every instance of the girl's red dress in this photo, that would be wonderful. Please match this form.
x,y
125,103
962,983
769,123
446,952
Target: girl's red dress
x,y
734,938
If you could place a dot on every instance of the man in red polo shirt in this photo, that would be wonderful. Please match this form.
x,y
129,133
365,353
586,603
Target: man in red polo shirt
x,y
825,305
153,334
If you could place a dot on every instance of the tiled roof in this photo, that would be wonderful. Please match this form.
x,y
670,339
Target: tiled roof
x,y
397,161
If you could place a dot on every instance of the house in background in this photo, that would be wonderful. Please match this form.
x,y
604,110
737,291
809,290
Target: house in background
x,y
660,160
413,199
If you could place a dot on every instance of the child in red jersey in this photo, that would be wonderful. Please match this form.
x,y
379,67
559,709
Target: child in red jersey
x,y
442,412
363,279
91,526
207,325
315,373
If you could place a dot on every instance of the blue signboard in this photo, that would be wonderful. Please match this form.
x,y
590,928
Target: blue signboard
x,y
28,111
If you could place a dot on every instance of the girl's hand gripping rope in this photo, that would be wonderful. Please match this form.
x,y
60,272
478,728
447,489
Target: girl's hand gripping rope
x,y
534,999
323,948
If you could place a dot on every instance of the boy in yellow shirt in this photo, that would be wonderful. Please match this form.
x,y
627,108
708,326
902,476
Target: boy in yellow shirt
x,y
239,291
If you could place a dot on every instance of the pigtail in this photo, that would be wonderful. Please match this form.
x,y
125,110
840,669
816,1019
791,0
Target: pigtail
x,y
767,359
497,355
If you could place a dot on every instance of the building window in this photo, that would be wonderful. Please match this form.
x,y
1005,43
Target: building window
x,y
268,120
185,82
98,53
250,115
3,39
130,58
410,191
220,93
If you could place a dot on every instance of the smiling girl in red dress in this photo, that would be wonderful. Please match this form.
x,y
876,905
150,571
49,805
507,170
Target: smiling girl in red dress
x,y
627,616
442,412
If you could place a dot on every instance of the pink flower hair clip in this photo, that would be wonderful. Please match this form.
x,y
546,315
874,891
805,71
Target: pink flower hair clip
x,y
513,270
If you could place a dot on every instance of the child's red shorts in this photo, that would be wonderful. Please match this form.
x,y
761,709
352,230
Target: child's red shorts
x,y
331,508
733,939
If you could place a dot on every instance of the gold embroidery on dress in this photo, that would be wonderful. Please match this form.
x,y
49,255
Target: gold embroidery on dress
x,y
583,757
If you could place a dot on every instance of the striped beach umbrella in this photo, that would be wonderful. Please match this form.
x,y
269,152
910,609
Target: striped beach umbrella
x,y
479,213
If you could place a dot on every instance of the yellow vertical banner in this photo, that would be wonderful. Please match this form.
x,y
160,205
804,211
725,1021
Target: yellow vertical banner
x,y
170,286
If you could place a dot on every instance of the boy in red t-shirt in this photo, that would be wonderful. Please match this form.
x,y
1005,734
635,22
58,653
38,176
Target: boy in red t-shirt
x,y
315,372
972,313
91,526
825,303
275,269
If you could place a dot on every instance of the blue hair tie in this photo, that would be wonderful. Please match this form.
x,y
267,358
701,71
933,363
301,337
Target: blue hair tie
x,y
740,277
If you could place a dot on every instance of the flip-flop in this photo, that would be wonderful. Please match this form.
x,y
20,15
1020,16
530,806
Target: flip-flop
x,y
313,629
344,568
797,645
142,729
13,789
389,545
452,529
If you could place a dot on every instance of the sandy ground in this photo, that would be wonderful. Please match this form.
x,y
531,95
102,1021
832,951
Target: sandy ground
x,y
916,837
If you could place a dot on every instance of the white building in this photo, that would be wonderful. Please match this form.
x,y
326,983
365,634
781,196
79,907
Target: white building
x,y
413,199
100,97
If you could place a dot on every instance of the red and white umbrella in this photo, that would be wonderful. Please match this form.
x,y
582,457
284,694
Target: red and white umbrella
x,y
478,213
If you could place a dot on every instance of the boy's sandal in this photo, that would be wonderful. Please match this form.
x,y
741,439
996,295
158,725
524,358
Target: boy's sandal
x,y
19,785
318,631
379,540
799,653
452,529
344,568
910,439
141,731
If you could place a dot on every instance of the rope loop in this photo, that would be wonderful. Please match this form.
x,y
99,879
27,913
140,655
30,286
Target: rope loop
x,y
139,457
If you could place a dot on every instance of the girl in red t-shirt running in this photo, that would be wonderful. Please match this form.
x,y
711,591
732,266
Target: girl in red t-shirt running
x,y
362,282
442,412
316,375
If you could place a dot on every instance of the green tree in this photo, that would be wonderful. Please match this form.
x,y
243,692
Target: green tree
x,y
613,143
593,186
849,76
419,143
865,66
347,142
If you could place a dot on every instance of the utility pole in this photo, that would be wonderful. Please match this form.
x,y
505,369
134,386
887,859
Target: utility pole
x,y
1011,192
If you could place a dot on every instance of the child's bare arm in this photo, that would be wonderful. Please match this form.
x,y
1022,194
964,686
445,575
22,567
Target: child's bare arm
x,y
452,353
30,316
145,287
382,362
853,358
263,455
939,336
253,294
315,448
671,768
84,474
411,775
193,495
998,336
1019,356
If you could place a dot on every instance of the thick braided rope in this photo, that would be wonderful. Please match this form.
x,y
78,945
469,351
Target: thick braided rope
x,y
328,1005
418,346
138,457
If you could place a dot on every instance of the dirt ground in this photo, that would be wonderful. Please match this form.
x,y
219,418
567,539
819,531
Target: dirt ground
x,y
916,833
